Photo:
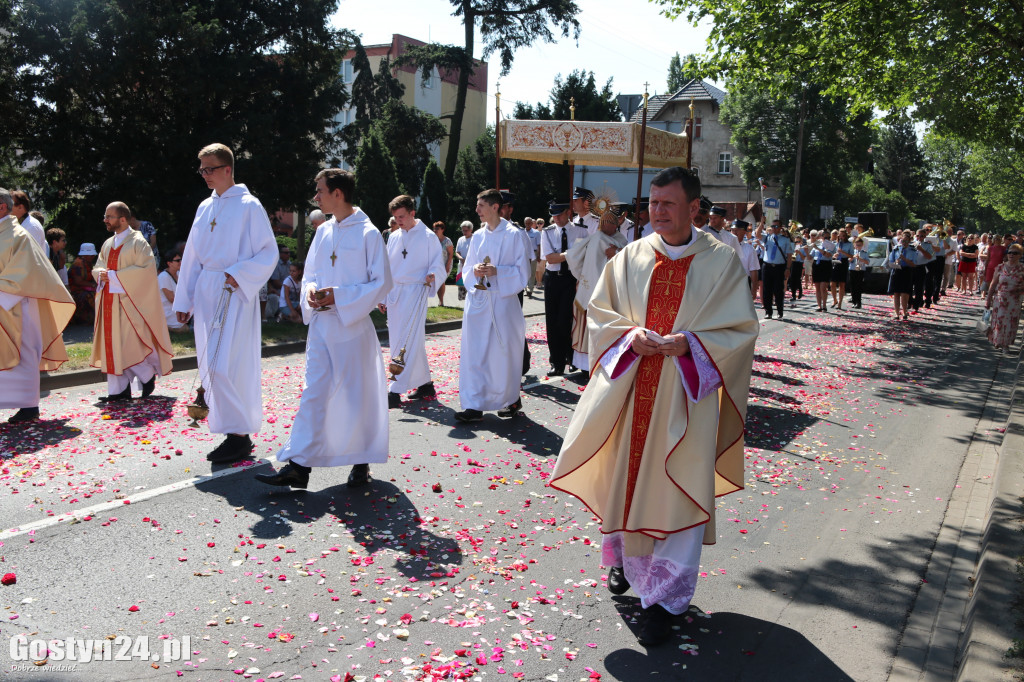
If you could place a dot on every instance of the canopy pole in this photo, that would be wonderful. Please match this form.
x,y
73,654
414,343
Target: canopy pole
x,y
640,171
572,166
689,138
497,136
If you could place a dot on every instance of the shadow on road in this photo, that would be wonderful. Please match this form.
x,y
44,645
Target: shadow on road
x,y
731,646
379,517
18,439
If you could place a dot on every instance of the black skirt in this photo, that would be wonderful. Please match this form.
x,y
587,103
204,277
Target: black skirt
x,y
821,272
901,281
839,270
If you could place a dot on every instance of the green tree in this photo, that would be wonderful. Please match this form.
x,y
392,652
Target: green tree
x,y
591,104
376,179
898,160
676,77
950,179
765,131
434,199
999,172
864,194
506,26
116,97
948,59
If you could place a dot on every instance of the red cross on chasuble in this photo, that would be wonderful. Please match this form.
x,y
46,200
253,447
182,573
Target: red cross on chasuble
x,y
665,294
108,312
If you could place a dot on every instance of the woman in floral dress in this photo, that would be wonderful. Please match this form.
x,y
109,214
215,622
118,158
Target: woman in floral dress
x,y
1005,293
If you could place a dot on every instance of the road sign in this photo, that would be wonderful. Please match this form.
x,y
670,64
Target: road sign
x,y
827,212
771,203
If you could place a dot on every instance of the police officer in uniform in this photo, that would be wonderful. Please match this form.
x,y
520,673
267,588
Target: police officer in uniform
x,y
559,285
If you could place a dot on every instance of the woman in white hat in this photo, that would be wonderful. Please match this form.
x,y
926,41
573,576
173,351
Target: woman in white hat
x,y
82,286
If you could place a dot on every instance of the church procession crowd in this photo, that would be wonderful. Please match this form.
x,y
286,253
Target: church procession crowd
x,y
660,313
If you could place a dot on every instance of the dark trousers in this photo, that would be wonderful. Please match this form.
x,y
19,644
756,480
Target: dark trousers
x,y
933,274
559,292
526,345
796,279
856,286
774,287
918,278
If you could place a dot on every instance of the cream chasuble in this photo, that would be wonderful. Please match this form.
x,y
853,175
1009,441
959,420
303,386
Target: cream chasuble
x,y
343,413
230,235
34,309
413,255
130,325
493,327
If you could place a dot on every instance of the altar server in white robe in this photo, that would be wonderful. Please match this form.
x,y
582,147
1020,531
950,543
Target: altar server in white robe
x,y
417,269
586,259
493,327
343,414
229,255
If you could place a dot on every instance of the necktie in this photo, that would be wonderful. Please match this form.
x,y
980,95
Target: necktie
x,y
565,247
773,249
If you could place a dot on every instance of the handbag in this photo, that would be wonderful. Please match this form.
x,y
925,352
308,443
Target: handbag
x,y
985,322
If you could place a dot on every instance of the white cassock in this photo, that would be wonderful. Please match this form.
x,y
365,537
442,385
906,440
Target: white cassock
x,y
343,413
645,230
35,228
240,244
726,237
586,259
413,255
493,327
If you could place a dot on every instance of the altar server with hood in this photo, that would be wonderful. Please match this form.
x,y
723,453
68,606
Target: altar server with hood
x,y
130,340
493,327
658,432
586,259
34,309
229,256
343,413
417,270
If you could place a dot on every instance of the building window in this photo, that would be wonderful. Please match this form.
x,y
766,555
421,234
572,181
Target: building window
x,y
428,78
725,163
696,127
346,72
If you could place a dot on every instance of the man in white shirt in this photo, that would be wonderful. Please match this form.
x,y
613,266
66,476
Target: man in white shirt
x,y
316,219
461,250
748,257
582,200
507,207
493,327
717,228
21,208
643,217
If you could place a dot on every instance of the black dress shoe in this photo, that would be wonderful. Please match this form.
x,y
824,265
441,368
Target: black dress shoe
x,y
25,414
231,449
149,387
394,400
657,627
573,369
556,371
469,416
427,390
359,476
512,410
293,475
121,397
617,583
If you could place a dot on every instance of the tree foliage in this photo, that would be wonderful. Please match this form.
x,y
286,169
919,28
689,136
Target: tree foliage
x,y
376,179
864,194
952,61
951,180
676,77
116,97
434,199
765,130
506,26
999,175
898,160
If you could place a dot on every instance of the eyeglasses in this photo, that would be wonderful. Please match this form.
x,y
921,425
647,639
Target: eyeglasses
x,y
206,170
175,260
1015,253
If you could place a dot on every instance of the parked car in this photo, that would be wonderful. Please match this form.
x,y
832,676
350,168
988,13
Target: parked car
x,y
876,279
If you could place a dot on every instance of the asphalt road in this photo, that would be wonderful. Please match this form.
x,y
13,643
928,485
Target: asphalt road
x,y
459,563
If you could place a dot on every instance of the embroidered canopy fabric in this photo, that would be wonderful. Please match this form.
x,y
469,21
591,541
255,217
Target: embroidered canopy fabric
x,y
592,143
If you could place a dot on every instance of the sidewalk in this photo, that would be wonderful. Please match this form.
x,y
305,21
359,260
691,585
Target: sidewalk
x,y
532,307
961,624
